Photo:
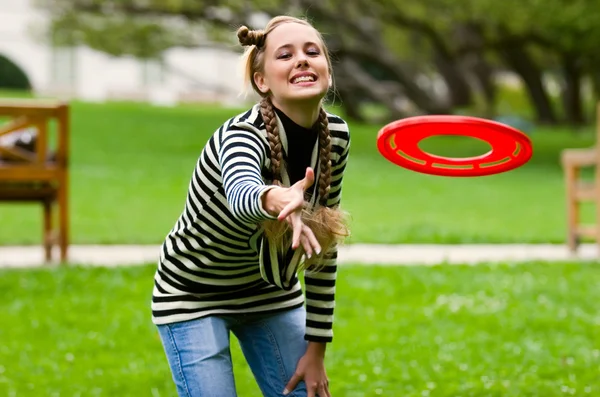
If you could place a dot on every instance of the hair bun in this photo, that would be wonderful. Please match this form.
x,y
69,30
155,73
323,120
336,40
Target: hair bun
x,y
250,37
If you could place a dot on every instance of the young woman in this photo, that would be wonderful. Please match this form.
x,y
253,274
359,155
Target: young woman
x,y
262,205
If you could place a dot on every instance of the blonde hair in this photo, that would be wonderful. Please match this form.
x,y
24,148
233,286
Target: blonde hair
x,y
328,224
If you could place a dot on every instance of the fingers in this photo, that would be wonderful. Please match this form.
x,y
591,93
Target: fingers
x,y
318,389
293,206
308,249
308,240
323,391
307,181
292,384
297,194
312,240
309,178
296,230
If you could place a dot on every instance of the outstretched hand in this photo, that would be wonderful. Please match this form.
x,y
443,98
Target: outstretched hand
x,y
292,212
297,194
291,202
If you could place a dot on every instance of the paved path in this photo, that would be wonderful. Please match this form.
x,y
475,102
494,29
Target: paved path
x,y
115,255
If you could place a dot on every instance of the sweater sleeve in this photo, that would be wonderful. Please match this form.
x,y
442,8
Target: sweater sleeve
x,y
320,285
241,156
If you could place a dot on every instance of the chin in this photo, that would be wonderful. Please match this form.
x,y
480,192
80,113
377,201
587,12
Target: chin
x,y
309,95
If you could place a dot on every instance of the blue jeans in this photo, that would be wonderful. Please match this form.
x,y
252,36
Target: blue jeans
x,y
199,355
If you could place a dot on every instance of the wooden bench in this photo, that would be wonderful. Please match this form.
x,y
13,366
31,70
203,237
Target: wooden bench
x,y
38,172
578,192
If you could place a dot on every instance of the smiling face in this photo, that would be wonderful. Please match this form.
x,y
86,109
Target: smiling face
x,y
296,65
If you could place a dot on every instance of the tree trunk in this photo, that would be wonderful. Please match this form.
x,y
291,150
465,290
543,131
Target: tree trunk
x,y
484,75
595,76
355,79
571,92
521,62
470,34
392,66
350,99
368,46
460,93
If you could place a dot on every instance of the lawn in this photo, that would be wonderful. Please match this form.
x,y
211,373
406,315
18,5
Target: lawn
x,y
131,165
489,330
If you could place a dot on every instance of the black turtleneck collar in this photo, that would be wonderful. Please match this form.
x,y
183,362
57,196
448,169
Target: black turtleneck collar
x,y
301,141
289,123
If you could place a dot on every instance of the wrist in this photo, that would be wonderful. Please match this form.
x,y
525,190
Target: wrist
x,y
316,349
270,199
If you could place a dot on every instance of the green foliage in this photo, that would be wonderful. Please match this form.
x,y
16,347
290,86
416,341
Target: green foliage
x,y
570,26
143,29
116,35
12,76
412,39
487,330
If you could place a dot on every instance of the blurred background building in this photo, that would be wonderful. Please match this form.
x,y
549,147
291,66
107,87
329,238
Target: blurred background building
x,y
184,75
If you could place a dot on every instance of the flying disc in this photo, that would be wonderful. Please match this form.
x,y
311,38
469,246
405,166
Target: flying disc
x,y
399,141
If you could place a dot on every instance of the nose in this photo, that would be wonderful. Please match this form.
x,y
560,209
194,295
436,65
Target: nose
x,y
302,61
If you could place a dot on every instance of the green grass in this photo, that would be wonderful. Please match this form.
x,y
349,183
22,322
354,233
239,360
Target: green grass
x,y
131,165
488,330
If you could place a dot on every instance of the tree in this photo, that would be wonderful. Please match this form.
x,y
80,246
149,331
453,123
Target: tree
x,y
12,76
385,49
146,29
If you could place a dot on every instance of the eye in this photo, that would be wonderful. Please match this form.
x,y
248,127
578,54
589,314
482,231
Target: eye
x,y
313,51
283,55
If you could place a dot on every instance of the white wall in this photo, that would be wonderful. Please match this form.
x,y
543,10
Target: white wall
x,y
208,74
17,19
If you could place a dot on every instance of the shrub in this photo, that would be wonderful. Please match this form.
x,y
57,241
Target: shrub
x,y
12,76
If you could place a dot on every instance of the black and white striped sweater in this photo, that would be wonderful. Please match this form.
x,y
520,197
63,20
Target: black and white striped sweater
x,y
215,259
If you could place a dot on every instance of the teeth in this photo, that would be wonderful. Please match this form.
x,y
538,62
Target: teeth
x,y
303,78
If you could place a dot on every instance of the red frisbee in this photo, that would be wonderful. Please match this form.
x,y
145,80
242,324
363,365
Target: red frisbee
x,y
399,141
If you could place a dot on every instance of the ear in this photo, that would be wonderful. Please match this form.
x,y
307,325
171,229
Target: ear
x,y
330,81
260,82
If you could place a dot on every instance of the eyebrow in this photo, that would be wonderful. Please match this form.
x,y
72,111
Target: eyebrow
x,y
290,45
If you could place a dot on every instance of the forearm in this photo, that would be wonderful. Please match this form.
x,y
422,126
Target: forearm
x,y
241,158
246,199
320,299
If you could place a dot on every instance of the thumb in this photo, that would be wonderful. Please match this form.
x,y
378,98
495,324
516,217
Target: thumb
x,y
292,384
309,178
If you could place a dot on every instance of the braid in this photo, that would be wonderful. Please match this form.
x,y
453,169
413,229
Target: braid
x,y
278,233
324,153
329,225
268,114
